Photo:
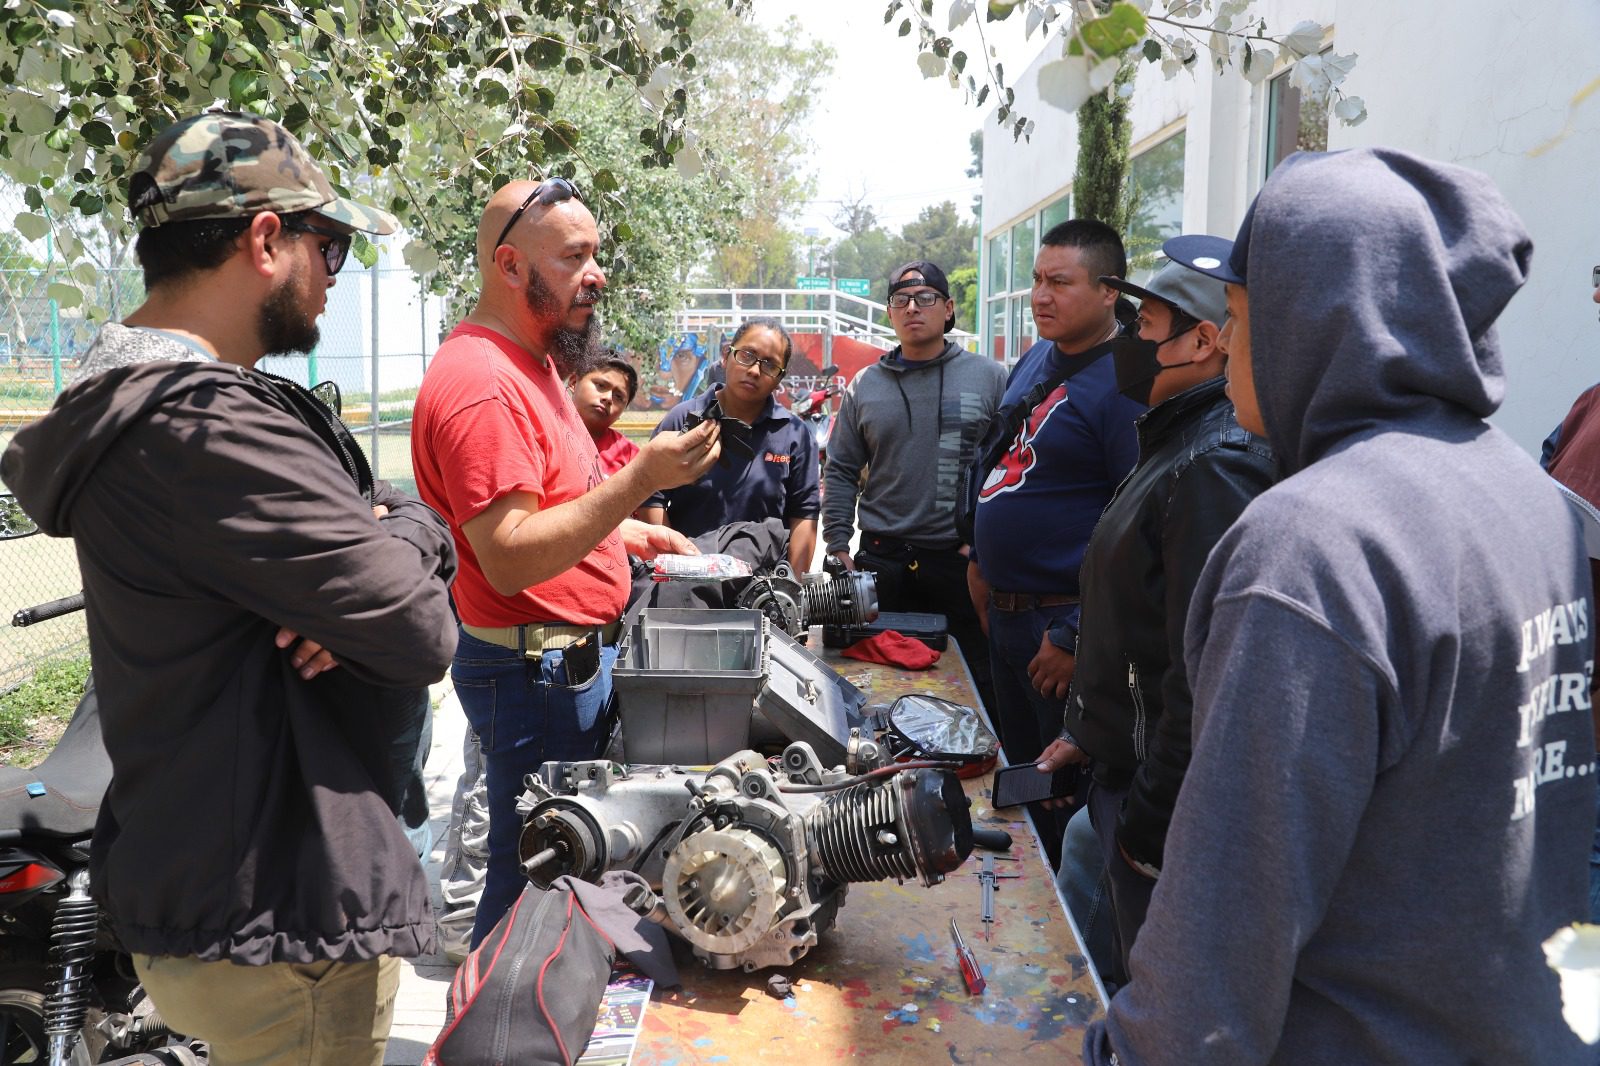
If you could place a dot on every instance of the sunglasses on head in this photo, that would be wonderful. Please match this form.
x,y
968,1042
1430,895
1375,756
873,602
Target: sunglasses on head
x,y
548,191
336,248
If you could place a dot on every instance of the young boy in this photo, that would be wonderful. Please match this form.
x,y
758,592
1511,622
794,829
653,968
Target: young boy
x,y
601,395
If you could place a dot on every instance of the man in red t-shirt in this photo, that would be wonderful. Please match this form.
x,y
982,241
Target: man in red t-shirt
x,y
543,536
601,394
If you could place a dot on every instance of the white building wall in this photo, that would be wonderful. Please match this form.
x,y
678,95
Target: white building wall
x,y
1512,90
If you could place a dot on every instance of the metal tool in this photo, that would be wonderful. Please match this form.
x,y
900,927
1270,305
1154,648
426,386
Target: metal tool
x,y
970,972
988,877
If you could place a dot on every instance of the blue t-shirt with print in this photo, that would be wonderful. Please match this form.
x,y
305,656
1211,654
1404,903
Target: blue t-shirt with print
x,y
1041,502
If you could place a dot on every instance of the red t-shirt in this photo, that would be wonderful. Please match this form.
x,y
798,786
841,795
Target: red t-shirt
x,y
491,419
615,451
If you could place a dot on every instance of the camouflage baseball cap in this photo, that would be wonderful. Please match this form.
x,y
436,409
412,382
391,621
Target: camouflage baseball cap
x,y
224,164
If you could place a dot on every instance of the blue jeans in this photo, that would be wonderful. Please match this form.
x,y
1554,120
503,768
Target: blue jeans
x,y
1027,721
525,714
1082,881
1130,890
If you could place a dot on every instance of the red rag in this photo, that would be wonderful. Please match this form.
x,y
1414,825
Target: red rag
x,y
892,648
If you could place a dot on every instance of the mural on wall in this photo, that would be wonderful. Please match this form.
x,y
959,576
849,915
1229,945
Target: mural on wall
x,y
678,368
685,365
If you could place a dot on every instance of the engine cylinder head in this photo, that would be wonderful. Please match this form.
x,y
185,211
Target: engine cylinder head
x,y
849,599
914,824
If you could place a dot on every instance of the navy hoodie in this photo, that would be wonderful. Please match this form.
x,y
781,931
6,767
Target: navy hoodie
x,y
1392,792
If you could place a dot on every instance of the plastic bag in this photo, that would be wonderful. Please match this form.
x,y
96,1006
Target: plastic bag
x,y
930,727
698,568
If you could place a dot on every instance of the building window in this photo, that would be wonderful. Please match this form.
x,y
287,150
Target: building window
x,y
1022,253
997,330
1294,124
999,264
1054,215
1155,201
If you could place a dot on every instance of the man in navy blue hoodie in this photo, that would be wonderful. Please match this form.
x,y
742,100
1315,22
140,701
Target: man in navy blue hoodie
x,y
1391,791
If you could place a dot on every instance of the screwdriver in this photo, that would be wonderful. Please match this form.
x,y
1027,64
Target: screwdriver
x,y
970,973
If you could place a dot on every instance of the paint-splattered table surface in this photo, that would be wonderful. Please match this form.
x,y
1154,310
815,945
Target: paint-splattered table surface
x,y
882,985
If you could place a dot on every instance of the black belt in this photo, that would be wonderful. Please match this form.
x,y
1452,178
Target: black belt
x,y
1027,601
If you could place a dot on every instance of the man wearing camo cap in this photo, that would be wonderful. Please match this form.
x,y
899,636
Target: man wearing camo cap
x,y
247,852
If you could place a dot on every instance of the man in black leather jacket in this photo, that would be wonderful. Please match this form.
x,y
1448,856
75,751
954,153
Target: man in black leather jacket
x,y
1129,708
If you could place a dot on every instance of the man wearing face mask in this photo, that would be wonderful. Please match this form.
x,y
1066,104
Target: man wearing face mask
x,y
1130,704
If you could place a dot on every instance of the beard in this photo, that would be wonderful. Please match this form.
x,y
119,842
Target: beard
x,y
573,351
284,323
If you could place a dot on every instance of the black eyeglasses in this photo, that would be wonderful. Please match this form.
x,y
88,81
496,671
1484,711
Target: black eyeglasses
x,y
336,248
926,298
747,358
548,191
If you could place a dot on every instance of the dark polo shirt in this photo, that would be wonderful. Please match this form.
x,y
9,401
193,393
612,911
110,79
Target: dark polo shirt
x,y
781,481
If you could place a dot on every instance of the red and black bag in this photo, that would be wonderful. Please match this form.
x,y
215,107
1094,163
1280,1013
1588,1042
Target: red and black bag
x,y
530,994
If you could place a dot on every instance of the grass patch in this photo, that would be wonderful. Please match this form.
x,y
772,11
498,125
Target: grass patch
x,y
33,715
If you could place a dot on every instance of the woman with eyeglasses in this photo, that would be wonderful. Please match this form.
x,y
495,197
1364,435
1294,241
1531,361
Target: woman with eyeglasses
x,y
769,464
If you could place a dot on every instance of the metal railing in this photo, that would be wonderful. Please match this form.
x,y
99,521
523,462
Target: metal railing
x,y
829,312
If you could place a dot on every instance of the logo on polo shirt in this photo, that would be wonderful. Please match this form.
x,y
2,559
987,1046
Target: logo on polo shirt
x,y
776,457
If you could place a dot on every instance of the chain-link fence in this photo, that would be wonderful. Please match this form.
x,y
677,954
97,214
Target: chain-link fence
x,y
378,333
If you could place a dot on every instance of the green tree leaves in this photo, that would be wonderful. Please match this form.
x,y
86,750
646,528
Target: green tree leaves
x,y
1099,38
421,105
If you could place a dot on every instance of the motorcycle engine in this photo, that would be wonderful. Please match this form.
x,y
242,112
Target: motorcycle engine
x,y
793,605
748,863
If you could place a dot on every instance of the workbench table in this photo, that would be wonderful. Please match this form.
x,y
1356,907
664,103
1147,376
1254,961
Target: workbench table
x,y
882,985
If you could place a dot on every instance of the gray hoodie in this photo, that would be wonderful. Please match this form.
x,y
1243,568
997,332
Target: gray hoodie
x,y
1392,795
910,426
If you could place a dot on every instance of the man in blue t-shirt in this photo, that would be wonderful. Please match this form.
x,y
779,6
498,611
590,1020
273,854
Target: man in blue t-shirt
x,y
776,476
1039,504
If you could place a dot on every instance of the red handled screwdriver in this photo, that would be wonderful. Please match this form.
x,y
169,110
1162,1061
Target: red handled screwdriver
x,y
970,973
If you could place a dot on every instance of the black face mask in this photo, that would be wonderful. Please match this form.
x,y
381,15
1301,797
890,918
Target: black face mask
x,y
1138,365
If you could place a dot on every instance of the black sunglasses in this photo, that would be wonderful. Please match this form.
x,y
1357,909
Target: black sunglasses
x,y
334,252
548,191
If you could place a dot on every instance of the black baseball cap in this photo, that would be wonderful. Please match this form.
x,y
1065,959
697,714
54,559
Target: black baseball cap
x,y
931,276
1215,257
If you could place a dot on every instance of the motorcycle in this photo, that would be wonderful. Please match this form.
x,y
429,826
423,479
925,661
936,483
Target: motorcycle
x,y
68,992
820,407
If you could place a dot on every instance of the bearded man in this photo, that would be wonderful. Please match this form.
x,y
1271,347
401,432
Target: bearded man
x,y
500,451
247,851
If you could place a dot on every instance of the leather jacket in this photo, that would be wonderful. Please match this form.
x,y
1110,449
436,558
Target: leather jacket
x,y
1130,706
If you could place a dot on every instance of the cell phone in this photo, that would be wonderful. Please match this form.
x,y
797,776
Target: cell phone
x,y
1016,785
582,659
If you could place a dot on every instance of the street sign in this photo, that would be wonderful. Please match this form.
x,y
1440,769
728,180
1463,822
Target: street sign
x,y
855,286
803,282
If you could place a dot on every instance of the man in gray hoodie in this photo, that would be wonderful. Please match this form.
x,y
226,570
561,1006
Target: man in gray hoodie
x,y
911,422
1392,789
